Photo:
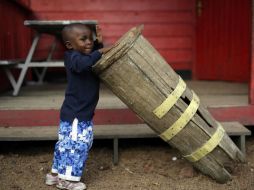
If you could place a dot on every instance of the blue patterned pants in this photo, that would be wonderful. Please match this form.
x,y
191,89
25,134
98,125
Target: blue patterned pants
x,y
71,150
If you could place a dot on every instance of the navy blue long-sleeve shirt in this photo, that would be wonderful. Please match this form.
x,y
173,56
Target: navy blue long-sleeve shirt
x,y
82,91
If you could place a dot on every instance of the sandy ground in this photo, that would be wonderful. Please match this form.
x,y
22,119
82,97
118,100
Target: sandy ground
x,y
145,164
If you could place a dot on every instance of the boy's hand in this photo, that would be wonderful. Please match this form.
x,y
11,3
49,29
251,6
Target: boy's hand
x,y
105,50
98,34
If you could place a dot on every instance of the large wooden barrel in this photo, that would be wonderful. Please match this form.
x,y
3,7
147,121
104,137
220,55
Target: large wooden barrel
x,y
143,80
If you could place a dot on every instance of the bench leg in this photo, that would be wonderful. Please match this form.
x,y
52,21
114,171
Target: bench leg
x,y
26,65
49,58
241,144
40,75
115,151
10,77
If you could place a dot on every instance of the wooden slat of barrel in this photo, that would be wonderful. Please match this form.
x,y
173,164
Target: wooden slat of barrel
x,y
226,142
142,79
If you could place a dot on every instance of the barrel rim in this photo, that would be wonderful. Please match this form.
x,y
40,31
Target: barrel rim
x,y
119,49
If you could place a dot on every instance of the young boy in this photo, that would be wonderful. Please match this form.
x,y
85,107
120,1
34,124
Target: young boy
x,y
81,97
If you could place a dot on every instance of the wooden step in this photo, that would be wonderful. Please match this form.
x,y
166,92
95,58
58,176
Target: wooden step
x,y
114,132
101,132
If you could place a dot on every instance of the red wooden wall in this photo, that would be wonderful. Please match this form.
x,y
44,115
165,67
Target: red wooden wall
x,y
251,84
169,24
14,37
224,40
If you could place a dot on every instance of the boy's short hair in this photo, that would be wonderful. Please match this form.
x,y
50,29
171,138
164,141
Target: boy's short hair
x,y
68,29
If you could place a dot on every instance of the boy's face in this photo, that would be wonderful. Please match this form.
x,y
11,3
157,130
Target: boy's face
x,y
81,39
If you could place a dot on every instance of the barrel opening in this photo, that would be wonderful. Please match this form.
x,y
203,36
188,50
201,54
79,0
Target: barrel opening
x,y
187,101
204,119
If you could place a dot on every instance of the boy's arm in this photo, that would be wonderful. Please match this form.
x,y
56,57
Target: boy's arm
x,y
98,34
79,63
97,45
98,42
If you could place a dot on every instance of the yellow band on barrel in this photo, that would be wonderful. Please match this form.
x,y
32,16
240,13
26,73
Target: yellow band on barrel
x,y
167,104
208,146
183,120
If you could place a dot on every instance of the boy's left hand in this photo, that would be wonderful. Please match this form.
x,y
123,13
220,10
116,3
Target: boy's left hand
x,y
98,34
105,49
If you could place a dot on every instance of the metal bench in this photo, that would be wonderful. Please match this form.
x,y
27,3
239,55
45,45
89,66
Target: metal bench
x,y
7,65
53,28
114,132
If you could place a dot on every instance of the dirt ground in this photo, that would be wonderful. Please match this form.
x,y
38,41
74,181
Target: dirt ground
x,y
145,164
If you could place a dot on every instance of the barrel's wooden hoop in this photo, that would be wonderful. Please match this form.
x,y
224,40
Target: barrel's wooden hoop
x,y
182,120
168,103
208,146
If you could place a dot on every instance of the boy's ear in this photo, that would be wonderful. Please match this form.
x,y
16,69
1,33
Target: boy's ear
x,y
68,45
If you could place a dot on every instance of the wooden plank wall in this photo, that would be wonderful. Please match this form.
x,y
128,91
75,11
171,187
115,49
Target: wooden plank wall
x,y
251,84
169,24
15,38
224,41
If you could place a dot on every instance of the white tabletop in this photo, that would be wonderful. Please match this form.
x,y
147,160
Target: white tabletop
x,y
55,26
